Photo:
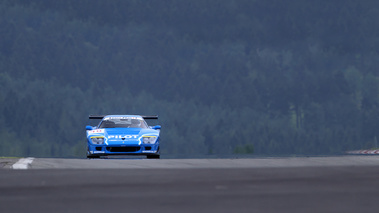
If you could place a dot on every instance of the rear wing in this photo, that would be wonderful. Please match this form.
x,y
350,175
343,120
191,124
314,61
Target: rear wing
x,y
143,116
149,116
96,116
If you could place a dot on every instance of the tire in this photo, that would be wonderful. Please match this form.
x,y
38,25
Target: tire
x,y
89,156
153,156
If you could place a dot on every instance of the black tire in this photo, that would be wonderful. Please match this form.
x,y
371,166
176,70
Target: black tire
x,y
153,156
92,156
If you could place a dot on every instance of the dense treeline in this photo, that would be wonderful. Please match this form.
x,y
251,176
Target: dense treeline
x,y
225,76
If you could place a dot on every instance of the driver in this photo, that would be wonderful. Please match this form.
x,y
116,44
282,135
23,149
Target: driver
x,y
135,123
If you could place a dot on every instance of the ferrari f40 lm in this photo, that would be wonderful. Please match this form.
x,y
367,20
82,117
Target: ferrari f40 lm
x,y
123,135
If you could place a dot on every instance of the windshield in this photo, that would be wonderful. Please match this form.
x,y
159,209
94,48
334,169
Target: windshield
x,y
123,123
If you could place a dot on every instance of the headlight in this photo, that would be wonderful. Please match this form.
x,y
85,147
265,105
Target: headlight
x,y
149,139
97,140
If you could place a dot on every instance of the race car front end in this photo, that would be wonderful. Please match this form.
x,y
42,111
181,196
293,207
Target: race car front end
x,y
123,135
121,141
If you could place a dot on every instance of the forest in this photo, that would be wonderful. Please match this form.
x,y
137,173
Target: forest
x,y
226,77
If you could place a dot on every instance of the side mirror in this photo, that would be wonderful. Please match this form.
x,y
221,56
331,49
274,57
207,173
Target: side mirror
x,y
156,127
89,128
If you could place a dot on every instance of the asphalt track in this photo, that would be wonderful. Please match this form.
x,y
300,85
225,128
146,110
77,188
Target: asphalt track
x,y
334,184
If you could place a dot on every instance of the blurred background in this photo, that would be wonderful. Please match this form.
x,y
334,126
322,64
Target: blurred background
x,y
249,77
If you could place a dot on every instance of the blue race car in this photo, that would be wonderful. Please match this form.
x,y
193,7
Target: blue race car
x,y
123,135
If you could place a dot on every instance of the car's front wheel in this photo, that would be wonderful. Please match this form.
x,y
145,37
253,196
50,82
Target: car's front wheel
x,y
153,156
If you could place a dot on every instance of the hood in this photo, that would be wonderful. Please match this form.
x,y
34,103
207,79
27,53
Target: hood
x,y
123,131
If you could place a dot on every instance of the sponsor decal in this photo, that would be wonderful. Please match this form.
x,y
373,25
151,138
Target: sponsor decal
x,y
148,151
99,152
115,118
96,131
122,136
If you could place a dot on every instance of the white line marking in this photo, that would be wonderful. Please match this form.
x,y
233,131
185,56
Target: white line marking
x,y
23,163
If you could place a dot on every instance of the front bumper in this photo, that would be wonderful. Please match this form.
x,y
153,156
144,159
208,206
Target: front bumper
x,y
103,150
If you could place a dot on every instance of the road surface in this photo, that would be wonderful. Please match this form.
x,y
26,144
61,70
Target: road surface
x,y
335,184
